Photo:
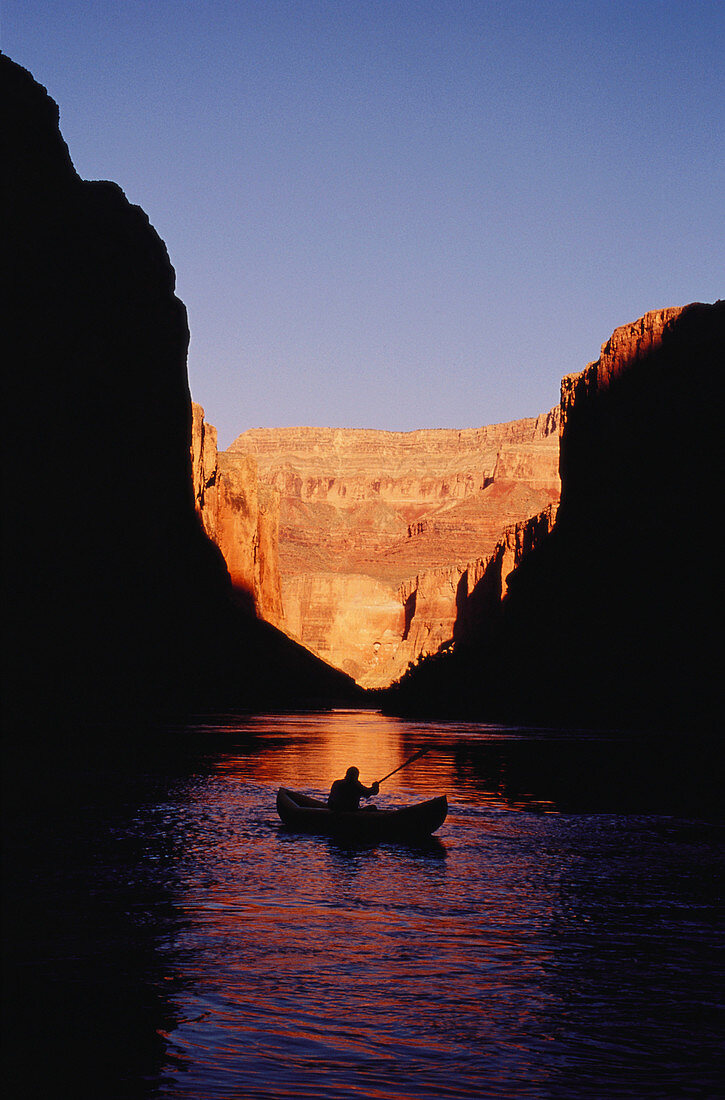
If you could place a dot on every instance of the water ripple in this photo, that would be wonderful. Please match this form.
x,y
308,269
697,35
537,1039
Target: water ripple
x,y
535,951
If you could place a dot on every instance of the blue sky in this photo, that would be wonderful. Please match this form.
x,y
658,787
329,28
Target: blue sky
x,y
398,214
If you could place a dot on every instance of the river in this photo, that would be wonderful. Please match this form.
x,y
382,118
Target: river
x,y
559,939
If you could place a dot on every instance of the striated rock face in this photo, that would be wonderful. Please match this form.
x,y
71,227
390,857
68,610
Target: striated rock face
x,y
485,582
430,601
348,619
203,452
376,528
115,601
338,456
460,604
242,518
628,345
584,393
609,619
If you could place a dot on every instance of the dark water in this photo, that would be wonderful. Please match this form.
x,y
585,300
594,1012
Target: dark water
x,y
561,938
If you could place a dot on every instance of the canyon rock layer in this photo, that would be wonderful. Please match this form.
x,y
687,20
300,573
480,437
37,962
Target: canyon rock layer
x,y
241,516
377,528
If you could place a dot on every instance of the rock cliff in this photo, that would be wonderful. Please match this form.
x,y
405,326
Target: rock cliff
x,y
376,528
241,517
115,601
608,619
485,582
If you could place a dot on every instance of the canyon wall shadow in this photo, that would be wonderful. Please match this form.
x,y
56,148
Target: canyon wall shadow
x,y
611,620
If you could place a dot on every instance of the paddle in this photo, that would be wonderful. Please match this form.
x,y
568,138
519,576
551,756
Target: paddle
x,y
415,756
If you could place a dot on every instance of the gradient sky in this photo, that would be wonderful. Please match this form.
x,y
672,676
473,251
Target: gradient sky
x,y
398,214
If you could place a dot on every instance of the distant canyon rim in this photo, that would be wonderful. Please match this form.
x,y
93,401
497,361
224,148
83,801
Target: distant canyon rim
x,y
357,542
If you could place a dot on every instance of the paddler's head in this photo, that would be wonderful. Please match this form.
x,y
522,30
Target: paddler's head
x,y
352,773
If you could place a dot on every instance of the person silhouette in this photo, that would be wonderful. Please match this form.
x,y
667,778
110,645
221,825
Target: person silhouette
x,y
345,794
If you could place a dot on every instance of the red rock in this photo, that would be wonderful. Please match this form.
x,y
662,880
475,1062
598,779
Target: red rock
x,y
377,528
240,516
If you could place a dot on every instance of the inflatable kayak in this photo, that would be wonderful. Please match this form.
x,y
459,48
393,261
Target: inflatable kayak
x,y
304,814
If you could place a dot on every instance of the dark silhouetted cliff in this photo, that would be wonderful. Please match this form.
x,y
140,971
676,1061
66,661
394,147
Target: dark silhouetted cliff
x,y
115,601
612,619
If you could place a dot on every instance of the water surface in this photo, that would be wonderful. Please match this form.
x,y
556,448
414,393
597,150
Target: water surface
x,y
530,951
559,939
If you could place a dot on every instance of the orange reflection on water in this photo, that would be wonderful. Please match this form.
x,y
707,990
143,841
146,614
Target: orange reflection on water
x,y
372,743
306,954
311,753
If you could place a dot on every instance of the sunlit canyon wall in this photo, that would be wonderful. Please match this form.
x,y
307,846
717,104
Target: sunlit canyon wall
x,y
115,601
611,619
241,516
377,529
